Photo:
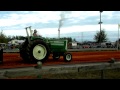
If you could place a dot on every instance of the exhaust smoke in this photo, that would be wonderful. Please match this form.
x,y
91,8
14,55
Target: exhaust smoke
x,y
62,18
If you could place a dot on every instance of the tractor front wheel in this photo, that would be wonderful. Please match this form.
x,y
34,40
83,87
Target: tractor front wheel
x,y
67,57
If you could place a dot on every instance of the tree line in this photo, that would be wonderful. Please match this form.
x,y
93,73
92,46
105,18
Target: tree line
x,y
100,36
6,39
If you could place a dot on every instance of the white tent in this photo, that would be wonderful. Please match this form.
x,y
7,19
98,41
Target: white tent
x,y
16,42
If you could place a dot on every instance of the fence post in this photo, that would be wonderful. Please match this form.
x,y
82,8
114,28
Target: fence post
x,y
1,56
102,74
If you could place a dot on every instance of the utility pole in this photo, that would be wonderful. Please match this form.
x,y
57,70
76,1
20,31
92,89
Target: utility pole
x,y
58,33
100,26
82,37
118,38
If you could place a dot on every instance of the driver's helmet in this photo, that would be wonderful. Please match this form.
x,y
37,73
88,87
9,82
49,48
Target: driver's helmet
x,y
35,30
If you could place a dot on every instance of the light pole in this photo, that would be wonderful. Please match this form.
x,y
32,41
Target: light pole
x,y
118,38
100,25
58,33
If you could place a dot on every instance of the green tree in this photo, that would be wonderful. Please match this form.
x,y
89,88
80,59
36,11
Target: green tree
x,y
20,37
3,37
69,39
100,36
9,38
74,40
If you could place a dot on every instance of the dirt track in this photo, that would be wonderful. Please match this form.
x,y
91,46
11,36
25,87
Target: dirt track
x,y
13,60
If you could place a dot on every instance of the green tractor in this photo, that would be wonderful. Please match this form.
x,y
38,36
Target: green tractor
x,y
38,48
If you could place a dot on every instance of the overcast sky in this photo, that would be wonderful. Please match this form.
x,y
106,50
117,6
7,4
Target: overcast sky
x,y
47,22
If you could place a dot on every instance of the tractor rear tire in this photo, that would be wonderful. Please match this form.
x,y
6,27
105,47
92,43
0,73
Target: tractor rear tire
x,y
38,50
23,51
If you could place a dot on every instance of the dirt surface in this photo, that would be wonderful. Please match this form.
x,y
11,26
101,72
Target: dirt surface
x,y
13,60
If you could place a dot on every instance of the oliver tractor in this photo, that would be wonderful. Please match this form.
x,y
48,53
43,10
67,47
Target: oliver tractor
x,y
38,48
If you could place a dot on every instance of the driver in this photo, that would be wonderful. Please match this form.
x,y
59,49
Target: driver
x,y
35,33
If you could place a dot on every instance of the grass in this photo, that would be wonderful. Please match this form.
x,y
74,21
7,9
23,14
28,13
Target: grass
x,y
107,74
97,74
